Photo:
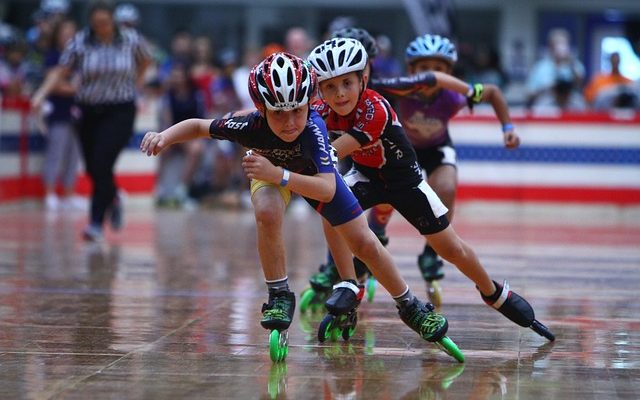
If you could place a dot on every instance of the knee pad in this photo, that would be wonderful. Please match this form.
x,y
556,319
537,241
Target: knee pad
x,y
511,305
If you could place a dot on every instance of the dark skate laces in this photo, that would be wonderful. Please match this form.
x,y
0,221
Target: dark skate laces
x,y
427,323
278,310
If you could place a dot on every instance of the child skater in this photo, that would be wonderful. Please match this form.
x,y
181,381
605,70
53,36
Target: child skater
x,y
290,152
425,113
385,166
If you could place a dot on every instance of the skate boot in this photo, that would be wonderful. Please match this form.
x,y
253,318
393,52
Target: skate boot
x,y
365,277
517,309
430,325
276,316
321,284
342,317
431,268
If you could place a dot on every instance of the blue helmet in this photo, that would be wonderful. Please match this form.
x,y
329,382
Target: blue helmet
x,y
428,46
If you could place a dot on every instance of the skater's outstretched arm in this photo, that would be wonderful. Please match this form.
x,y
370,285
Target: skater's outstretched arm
x,y
154,142
493,94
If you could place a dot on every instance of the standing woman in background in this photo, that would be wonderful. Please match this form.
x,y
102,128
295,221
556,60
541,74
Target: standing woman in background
x,y
110,63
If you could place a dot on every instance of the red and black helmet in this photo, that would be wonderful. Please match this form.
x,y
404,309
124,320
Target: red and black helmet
x,y
281,81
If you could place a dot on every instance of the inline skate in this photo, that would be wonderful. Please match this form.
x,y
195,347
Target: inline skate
x,y
342,317
430,325
319,290
276,316
517,309
431,268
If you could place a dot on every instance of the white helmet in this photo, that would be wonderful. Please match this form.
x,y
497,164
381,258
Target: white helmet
x,y
283,82
126,14
427,46
338,56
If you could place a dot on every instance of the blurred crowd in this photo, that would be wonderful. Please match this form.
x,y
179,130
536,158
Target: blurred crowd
x,y
197,78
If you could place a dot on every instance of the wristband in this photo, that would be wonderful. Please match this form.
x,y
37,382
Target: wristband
x,y
285,177
507,127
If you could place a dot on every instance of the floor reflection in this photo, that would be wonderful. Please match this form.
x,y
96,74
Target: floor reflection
x,y
170,308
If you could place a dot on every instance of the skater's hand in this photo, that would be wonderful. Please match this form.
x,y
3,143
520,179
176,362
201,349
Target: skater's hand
x,y
153,143
511,139
258,167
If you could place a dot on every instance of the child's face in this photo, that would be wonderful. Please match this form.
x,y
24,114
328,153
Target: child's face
x,y
342,92
288,125
430,64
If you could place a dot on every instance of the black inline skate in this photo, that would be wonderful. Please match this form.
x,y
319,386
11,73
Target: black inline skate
x,y
342,317
276,316
517,309
430,265
430,325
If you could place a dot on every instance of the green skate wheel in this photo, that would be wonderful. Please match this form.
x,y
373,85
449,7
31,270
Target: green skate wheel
x,y
278,345
335,333
371,288
326,328
434,293
306,298
449,347
348,332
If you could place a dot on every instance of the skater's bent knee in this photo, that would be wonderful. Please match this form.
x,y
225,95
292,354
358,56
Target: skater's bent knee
x,y
268,217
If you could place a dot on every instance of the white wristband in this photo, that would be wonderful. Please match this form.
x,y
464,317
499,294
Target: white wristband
x,y
285,177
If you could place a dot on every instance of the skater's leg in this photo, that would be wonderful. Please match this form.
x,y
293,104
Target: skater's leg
x,y
364,244
269,203
453,249
443,180
269,209
342,256
379,217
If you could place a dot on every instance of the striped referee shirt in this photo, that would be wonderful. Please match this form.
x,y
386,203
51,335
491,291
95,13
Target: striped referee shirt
x,y
107,71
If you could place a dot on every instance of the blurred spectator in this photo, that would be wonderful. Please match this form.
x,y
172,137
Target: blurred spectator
x,y
50,13
183,100
180,53
612,89
486,67
271,48
15,69
62,155
298,42
241,76
127,16
203,72
385,65
556,79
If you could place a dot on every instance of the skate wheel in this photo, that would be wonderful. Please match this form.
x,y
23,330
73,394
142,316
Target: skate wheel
x,y
350,329
306,298
371,288
278,345
542,330
325,330
448,346
434,293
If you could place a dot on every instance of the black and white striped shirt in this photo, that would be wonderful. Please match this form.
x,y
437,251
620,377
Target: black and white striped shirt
x,y
107,71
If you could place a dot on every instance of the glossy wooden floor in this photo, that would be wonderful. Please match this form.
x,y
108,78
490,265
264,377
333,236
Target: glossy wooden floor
x,y
170,308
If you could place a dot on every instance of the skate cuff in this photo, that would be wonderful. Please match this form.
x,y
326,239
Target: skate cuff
x,y
347,285
504,295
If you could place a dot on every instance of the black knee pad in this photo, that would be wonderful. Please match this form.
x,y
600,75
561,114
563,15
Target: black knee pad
x,y
511,305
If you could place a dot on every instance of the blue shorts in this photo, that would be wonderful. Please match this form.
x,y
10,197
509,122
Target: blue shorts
x,y
343,208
